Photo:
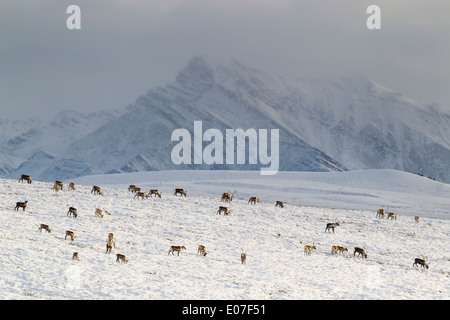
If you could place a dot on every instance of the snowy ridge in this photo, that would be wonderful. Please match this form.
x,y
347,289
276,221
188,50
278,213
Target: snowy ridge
x,y
39,265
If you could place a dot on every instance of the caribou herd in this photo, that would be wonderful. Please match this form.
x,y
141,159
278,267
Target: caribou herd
x,y
201,249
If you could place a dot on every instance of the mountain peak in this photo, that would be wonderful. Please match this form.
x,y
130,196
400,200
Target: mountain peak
x,y
325,125
203,73
198,70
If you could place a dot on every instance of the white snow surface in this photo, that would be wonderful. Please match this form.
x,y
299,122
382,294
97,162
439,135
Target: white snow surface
x,y
38,265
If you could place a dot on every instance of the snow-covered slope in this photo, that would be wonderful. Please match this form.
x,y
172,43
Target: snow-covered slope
x,y
39,265
405,193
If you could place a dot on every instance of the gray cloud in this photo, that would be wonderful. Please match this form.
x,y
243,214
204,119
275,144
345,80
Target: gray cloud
x,y
126,47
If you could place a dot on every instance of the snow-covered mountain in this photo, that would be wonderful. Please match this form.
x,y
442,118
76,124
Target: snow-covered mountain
x,y
364,125
324,125
46,167
219,96
37,145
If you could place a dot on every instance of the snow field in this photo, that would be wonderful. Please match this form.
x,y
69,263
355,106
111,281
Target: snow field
x,y
39,265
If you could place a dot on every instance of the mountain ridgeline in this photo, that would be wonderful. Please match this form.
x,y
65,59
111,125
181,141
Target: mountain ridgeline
x,y
324,125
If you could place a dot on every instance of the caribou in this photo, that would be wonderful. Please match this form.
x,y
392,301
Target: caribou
x,y
420,262
44,227
279,204
176,249
26,178
180,191
96,190
223,209
331,226
361,252
22,205
227,196
201,250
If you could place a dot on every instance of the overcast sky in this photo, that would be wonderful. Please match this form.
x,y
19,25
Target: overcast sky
x,y
126,47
